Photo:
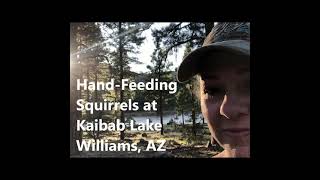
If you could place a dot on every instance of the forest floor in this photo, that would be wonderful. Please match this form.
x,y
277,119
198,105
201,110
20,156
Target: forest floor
x,y
180,143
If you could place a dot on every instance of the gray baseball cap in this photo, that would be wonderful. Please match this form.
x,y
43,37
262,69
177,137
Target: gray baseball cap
x,y
225,37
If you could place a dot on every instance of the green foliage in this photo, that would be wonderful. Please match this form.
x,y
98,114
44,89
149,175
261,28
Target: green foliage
x,y
86,43
184,100
105,50
177,34
125,38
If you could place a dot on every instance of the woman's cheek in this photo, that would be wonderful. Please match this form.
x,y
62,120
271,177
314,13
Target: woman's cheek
x,y
212,110
210,107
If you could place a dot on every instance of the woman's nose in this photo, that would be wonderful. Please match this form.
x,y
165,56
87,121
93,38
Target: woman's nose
x,y
233,107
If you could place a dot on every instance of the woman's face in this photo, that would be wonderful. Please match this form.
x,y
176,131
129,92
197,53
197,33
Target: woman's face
x,y
225,102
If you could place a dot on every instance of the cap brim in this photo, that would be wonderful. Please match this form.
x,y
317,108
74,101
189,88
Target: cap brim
x,y
190,64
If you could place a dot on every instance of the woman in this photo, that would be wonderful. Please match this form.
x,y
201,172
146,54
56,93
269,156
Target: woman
x,y
222,65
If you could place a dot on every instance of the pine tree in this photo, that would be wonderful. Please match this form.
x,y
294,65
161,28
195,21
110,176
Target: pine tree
x,y
125,39
86,53
160,70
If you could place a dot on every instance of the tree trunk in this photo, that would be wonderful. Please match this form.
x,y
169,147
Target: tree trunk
x,y
160,103
88,95
88,98
193,116
74,114
80,94
96,116
161,113
121,77
182,117
193,122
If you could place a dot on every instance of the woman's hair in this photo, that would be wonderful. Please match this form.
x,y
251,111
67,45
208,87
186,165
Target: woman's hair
x,y
196,86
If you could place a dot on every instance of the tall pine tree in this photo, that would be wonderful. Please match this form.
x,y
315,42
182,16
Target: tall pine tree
x,y
124,39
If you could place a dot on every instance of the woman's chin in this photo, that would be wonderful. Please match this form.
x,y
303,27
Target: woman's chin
x,y
238,142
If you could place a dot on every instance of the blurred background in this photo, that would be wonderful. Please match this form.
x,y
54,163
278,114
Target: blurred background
x,y
100,51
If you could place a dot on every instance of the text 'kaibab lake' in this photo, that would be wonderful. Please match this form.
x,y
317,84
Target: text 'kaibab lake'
x,y
98,125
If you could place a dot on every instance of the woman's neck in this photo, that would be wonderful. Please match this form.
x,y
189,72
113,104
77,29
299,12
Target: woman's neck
x,y
243,151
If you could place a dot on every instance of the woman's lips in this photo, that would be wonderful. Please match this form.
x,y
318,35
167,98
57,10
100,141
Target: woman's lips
x,y
236,131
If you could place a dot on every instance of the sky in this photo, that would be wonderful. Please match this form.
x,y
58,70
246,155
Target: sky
x,y
148,47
